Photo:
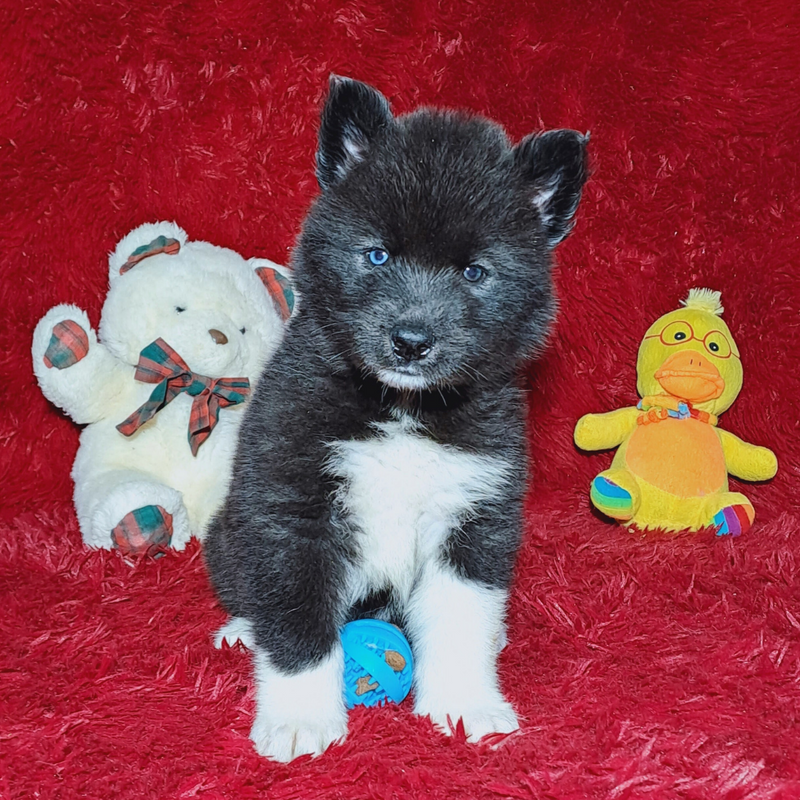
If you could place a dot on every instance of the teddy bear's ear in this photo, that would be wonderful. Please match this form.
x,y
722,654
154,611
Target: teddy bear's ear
x,y
278,282
143,242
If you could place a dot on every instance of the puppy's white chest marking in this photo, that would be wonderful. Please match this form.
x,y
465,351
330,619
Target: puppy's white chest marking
x,y
402,494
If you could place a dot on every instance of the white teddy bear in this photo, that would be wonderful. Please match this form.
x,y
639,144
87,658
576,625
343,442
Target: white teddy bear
x,y
185,331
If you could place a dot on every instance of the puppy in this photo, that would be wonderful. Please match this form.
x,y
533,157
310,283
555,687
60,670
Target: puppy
x,y
382,461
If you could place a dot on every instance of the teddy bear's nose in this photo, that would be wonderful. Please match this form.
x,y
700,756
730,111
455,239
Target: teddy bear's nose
x,y
218,336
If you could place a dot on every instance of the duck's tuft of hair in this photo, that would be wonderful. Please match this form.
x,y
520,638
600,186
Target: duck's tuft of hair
x,y
704,300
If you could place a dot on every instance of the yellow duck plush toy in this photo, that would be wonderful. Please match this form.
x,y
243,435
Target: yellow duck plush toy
x,y
671,468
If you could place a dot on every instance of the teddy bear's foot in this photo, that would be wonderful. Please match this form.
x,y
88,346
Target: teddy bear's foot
x,y
137,516
146,530
615,493
734,520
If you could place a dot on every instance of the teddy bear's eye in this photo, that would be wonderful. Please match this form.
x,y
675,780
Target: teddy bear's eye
x,y
243,330
180,309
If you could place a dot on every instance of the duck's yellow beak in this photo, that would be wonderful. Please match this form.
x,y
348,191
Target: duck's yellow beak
x,y
691,376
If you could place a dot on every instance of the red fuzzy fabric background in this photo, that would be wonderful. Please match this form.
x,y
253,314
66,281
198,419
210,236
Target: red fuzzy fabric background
x,y
642,666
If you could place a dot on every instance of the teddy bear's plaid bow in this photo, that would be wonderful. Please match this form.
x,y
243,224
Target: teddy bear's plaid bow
x,y
159,363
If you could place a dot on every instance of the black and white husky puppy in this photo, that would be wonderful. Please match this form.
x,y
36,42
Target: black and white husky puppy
x,y
382,461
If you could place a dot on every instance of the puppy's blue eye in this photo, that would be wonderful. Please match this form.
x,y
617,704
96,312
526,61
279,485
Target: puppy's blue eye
x,y
473,273
377,257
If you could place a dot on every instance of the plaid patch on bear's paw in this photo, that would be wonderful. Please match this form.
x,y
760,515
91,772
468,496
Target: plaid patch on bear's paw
x,y
69,344
145,530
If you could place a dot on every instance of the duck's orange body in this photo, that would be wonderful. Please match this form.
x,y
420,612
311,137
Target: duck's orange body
x,y
681,456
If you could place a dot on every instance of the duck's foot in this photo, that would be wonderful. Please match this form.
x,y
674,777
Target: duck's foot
x,y
734,520
613,499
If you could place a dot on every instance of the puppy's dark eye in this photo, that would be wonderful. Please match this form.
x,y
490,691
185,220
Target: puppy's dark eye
x,y
242,330
377,257
180,309
473,273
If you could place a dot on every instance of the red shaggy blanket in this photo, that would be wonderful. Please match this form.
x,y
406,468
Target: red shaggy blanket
x,y
642,666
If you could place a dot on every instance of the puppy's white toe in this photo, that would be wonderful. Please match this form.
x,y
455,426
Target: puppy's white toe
x,y
479,721
287,742
236,629
483,721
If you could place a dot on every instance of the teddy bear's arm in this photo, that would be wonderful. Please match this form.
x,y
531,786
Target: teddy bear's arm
x,y
75,371
747,461
604,431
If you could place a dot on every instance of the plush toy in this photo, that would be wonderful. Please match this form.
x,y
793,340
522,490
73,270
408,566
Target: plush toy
x,y
671,468
185,330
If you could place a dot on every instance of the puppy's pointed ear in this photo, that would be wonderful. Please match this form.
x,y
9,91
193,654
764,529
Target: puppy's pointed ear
x,y
556,165
354,114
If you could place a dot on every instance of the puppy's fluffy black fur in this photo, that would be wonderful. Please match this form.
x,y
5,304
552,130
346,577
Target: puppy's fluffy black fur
x,y
440,193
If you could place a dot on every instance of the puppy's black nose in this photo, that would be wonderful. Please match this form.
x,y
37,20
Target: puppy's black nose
x,y
411,344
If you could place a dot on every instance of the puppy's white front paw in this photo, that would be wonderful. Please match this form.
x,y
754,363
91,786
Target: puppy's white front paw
x,y
285,742
299,713
494,715
458,628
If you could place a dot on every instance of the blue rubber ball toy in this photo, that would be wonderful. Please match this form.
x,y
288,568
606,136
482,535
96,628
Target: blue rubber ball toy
x,y
377,663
